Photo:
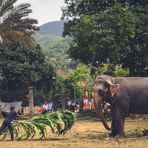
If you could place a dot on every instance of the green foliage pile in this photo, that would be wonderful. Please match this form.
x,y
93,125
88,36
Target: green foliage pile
x,y
59,122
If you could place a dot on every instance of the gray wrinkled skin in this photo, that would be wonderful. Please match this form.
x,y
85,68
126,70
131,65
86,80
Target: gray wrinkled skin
x,y
131,97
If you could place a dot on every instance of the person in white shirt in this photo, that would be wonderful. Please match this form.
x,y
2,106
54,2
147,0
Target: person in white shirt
x,y
50,106
45,107
68,104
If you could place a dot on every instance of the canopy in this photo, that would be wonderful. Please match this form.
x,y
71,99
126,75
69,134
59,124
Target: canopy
x,y
5,106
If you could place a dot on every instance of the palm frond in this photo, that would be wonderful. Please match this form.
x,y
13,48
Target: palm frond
x,y
59,122
69,120
15,24
6,6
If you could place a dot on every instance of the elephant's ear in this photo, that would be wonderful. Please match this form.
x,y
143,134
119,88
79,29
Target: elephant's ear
x,y
114,88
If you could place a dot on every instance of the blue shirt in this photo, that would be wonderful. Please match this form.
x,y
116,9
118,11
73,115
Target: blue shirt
x,y
11,116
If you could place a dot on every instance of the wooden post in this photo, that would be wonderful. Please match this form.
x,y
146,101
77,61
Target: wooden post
x,y
0,111
53,92
31,102
63,98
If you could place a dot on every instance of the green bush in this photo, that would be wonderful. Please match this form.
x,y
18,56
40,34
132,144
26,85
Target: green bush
x,y
120,71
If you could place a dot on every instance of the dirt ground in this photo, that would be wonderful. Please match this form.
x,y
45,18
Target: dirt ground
x,y
88,134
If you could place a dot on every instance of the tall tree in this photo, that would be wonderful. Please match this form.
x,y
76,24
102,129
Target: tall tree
x,y
116,31
23,67
14,22
77,8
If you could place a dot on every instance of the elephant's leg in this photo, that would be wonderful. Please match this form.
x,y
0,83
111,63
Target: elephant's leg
x,y
120,127
113,125
113,128
117,123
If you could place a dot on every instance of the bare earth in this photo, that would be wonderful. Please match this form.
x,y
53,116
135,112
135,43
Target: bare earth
x,y
88,134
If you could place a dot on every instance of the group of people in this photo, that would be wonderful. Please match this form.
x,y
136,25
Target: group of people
x,y
73,105
47,107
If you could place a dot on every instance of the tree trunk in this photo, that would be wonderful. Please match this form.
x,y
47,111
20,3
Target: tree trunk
x,y
132,72
132,64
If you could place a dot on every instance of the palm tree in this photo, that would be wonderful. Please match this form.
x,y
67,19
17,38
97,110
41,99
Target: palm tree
x,y
14,22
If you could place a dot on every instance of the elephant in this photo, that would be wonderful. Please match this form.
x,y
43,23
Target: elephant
x,y
125,95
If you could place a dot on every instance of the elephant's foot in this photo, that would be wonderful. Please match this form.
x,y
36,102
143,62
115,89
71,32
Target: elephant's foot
x,y
113,133
116,134
118,137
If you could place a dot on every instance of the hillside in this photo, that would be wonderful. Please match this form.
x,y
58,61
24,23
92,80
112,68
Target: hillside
x,y
54,28
53,45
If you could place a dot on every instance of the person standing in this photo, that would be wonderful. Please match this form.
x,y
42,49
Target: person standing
x,y
7,122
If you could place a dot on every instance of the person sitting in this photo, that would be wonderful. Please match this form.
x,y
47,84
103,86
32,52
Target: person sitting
x,y
12,115
45,107
50,106
68,104
21,111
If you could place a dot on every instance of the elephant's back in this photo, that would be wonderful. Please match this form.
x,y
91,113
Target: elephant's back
x,y
133,82
137,89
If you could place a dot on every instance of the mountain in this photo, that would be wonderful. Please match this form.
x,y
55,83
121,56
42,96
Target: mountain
x,y
54,28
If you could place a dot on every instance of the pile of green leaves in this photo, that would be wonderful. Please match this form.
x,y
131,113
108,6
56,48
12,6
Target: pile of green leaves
x,y
59,122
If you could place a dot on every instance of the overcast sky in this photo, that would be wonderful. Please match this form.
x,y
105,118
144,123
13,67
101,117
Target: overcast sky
x,y
45,10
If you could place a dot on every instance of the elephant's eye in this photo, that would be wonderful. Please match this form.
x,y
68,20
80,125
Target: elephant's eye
x,y
98,82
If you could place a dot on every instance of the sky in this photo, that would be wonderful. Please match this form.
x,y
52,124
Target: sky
x,y
45,10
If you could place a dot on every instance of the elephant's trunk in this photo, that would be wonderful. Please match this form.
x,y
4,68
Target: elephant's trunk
x,y
97,105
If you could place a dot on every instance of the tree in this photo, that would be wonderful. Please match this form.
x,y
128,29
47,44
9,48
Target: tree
x,y
22,67
76,8
56,49
79,78
70,85
114,32
112,70
14,23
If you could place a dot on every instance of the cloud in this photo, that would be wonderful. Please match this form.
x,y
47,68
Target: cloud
x,y
45,10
